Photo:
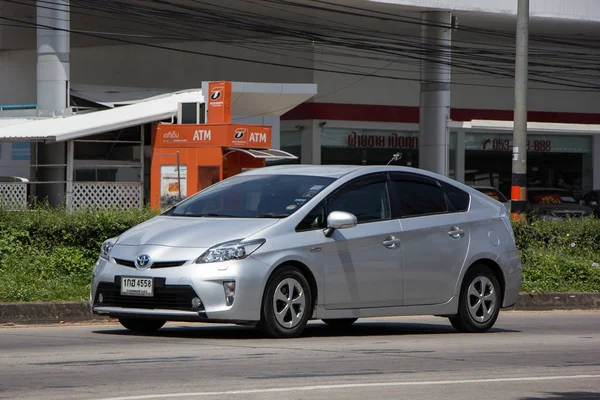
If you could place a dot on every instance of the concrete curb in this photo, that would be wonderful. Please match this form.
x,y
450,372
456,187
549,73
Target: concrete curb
x,y
63,312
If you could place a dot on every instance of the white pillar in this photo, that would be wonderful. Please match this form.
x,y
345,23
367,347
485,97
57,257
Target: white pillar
x,y
460,156
70,172
311,143
596,162
434,101
53,45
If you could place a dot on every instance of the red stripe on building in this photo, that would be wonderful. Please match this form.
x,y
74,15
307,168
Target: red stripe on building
x,y
409,114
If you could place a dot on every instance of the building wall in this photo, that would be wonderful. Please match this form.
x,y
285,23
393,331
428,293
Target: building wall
x,y
560,9
14,161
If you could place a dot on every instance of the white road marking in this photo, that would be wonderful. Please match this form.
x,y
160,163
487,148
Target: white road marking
x,y
350,386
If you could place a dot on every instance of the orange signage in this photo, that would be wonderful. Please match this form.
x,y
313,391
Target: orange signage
x,y
219,103
213,135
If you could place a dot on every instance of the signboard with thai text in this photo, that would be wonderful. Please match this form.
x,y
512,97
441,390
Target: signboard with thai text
x,y
209,135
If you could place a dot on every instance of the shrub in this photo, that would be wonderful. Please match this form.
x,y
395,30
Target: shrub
x,y
48,255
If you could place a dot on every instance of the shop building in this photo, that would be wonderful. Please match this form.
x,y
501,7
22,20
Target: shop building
x,y
431,80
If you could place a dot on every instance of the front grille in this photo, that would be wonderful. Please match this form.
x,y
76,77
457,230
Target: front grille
x,y
159,264
125,263
166,297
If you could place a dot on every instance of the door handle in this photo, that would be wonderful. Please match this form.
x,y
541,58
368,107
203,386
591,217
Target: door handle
x,y
456,232
391,242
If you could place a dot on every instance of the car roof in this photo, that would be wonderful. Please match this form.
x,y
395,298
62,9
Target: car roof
x,y
335,171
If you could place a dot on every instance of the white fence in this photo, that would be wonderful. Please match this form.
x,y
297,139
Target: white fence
x,y
106,195
13,196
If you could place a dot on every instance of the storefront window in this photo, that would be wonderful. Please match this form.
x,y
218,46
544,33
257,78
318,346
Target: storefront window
x,y
552,161
290,141
368,146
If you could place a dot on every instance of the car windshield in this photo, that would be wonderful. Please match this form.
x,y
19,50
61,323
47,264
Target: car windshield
x,y
253,196
494,194
551,196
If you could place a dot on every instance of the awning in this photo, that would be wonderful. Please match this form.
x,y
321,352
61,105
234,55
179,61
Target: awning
x,y
545,127
270,154
76,126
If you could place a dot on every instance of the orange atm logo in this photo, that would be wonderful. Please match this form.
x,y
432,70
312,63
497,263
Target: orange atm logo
x,y
219,103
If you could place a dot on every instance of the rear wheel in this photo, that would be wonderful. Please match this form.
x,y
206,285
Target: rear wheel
x,y
287,304
340,323
479,302
142,325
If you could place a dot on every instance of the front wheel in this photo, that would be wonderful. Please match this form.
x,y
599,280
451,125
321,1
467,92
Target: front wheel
x,y
142,325
479,302
287,304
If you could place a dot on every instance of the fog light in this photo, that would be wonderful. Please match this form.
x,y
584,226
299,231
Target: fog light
x,y
100,298
196,303
229,287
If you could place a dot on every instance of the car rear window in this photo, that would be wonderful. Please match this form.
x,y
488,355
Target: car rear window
x,y
494,194
551,197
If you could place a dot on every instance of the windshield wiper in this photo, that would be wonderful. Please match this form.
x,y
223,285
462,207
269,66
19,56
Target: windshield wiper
x,y
272,215
215,215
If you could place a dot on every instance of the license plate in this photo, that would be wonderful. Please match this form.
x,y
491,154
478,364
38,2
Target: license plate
x,y
135,286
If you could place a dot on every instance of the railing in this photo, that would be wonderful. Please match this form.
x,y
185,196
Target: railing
x,y
13,195
106,195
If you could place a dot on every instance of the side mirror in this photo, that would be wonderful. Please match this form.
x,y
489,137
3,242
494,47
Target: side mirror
x,y
593,203
339,220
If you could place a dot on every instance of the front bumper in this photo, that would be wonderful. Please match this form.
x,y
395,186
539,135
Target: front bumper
x,y
175,287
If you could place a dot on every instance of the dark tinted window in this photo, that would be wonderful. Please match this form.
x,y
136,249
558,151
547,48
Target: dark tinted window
x,y
315,219
253,196
417,198
368,203
459,200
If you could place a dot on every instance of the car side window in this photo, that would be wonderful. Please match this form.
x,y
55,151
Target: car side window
x,y
315,219
413,198
458,199
368,203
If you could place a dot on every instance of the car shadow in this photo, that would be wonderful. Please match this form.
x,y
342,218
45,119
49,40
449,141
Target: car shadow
x,y
314,329
566,396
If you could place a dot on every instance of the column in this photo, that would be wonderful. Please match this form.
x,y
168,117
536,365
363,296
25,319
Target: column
x,y
311,143
53,45
434,100
596,162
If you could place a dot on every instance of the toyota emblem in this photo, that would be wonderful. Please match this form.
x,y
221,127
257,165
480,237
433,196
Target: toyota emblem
x,y
143,261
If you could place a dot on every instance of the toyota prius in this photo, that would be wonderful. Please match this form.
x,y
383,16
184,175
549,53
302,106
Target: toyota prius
x,y
278,246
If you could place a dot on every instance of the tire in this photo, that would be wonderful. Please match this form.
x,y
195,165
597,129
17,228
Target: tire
x,y
478,309
284,315
340,323
142,325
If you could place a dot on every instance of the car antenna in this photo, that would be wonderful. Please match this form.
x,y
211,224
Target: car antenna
x,y
395,157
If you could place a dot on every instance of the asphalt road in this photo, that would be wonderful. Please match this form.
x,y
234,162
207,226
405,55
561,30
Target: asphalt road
x,y
528,356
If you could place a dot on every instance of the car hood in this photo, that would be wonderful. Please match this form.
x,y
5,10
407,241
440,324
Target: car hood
x,y
191,232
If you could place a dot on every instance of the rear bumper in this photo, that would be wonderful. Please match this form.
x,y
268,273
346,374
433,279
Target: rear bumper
x,y
513,272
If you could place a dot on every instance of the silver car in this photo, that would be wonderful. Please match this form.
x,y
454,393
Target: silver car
x,y
275,247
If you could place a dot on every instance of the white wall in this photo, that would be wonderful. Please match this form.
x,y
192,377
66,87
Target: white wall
x,y
560,9
17,77
126,65
8,167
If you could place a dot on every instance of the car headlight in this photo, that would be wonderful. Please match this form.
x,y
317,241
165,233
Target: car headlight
x,y
106,248
234,250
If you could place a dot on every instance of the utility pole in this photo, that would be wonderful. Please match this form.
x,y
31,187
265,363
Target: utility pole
x,y
519,155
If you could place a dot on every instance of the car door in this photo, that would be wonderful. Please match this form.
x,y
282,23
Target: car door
x,y
363,264
434,238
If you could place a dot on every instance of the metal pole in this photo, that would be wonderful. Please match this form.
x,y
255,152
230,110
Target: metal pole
x,y
178,177
70,173
519,155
